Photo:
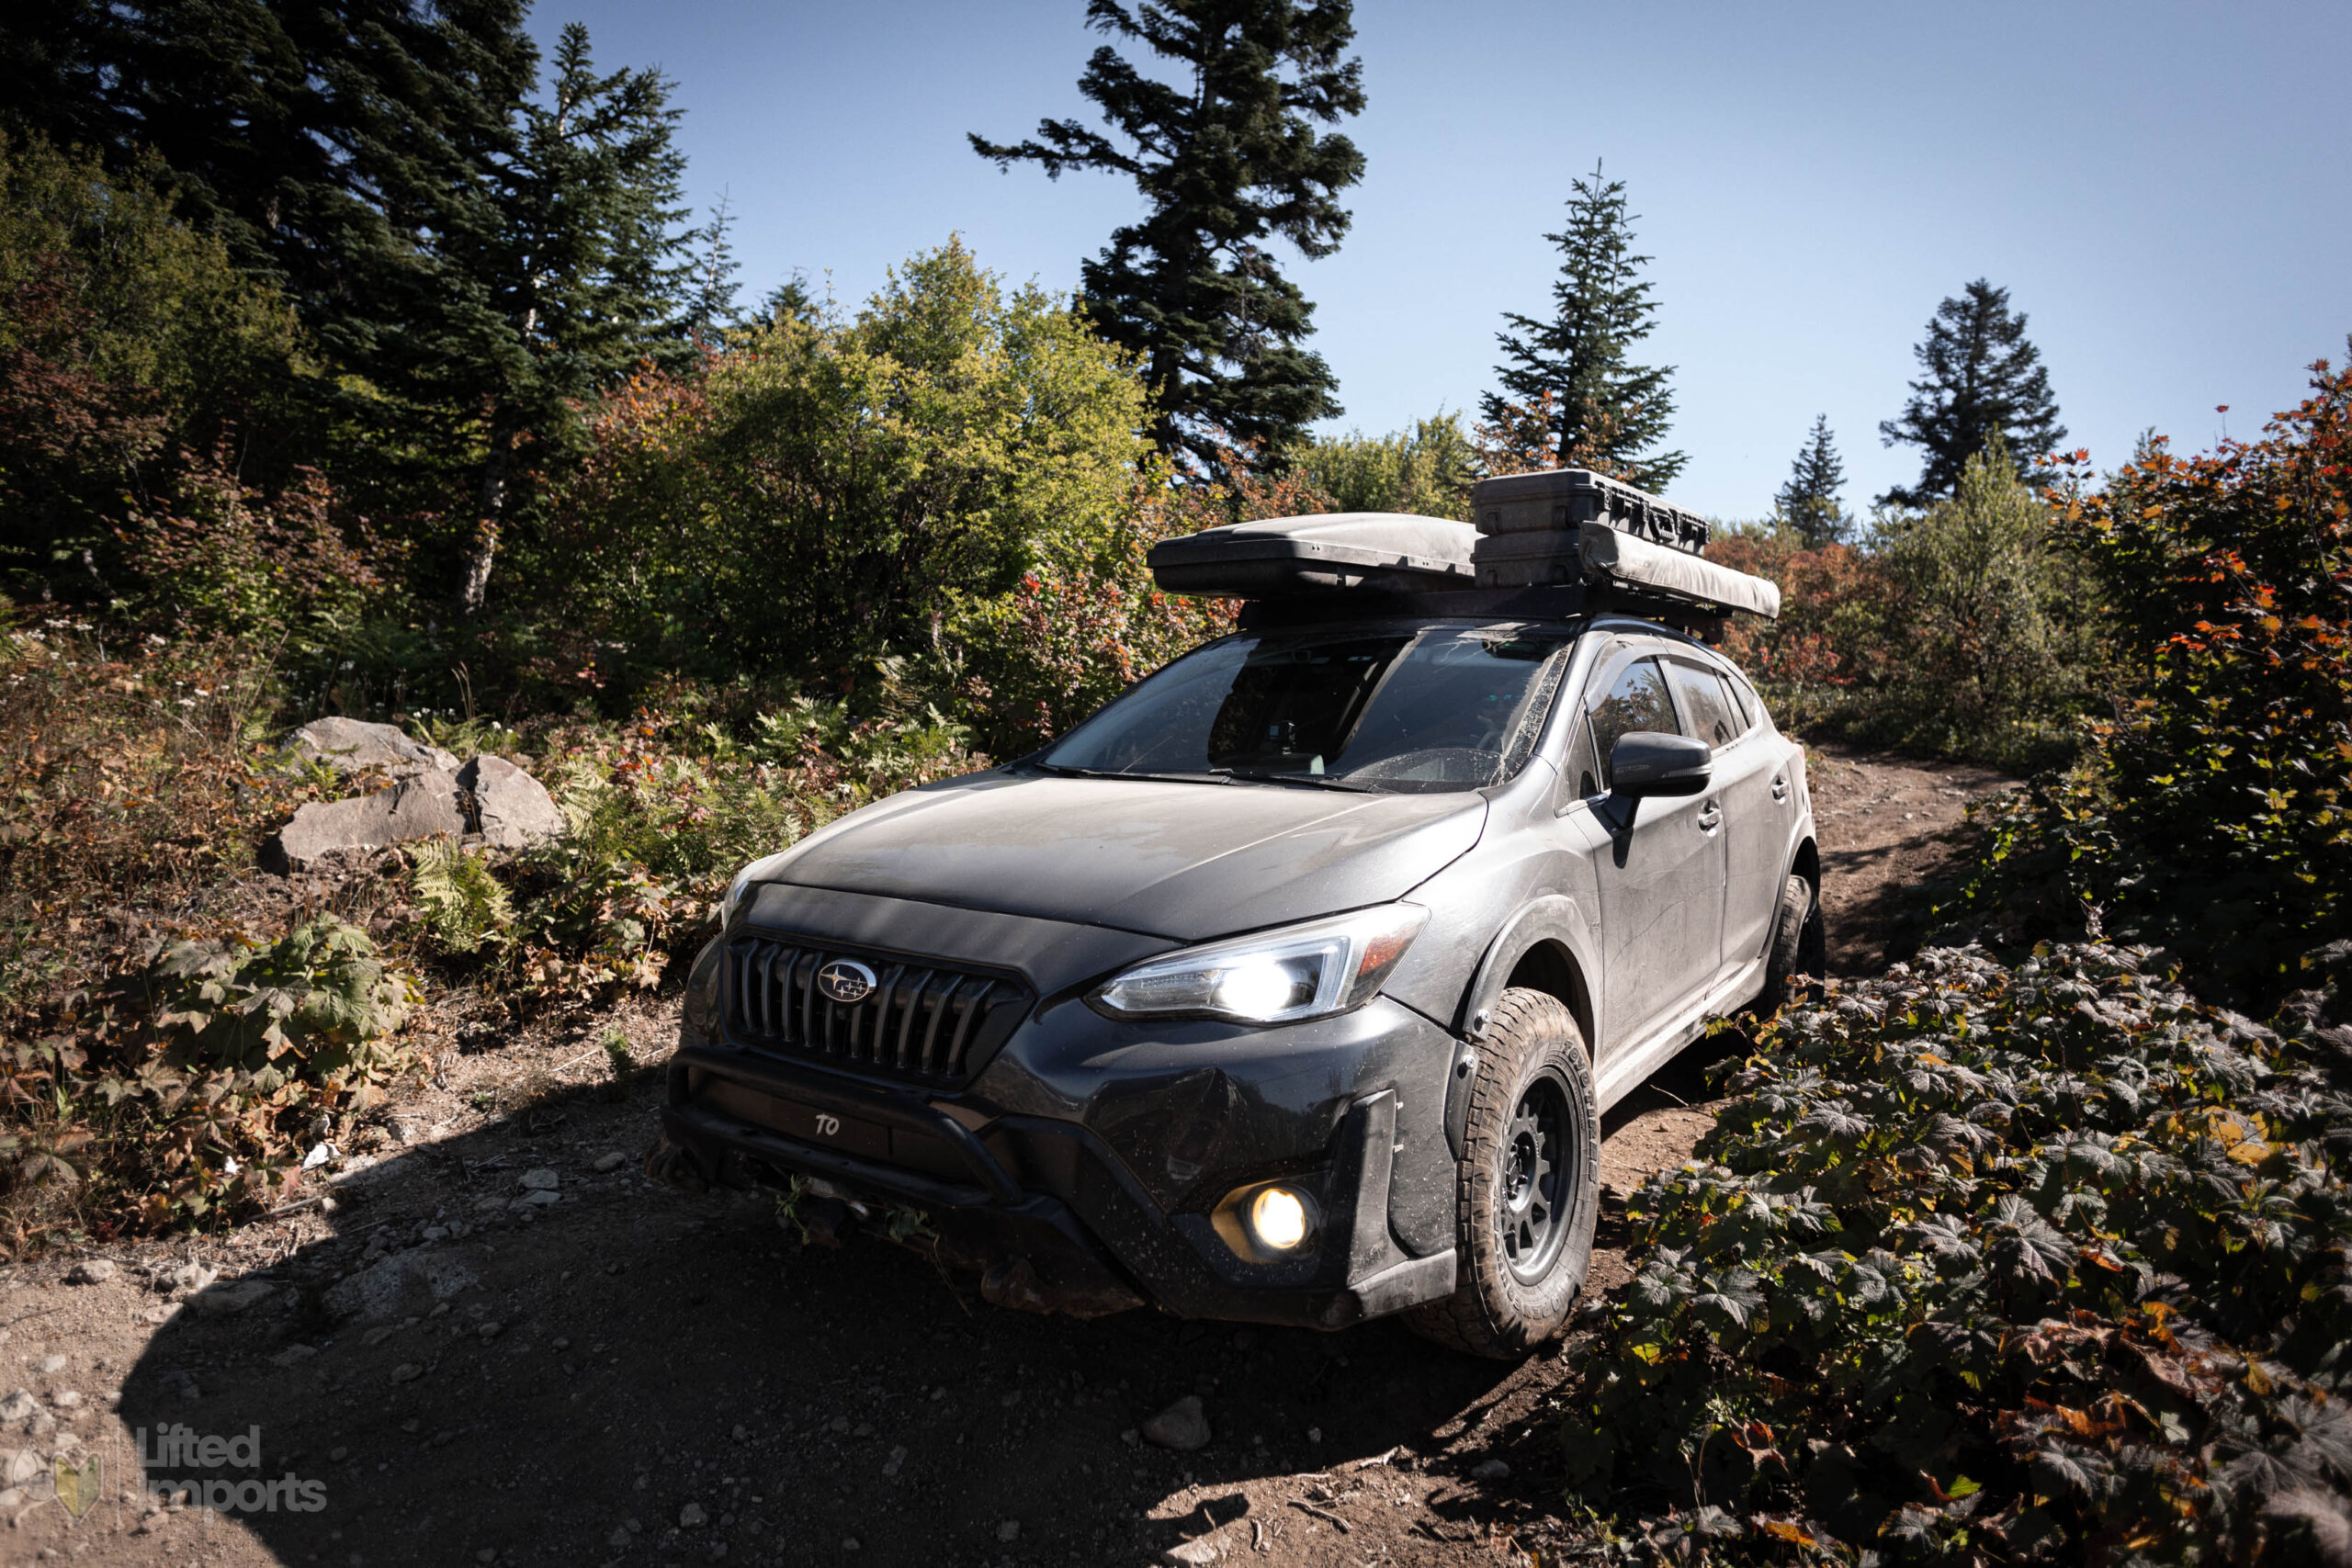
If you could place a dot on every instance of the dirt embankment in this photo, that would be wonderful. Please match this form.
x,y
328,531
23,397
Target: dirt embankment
x,y
503,1346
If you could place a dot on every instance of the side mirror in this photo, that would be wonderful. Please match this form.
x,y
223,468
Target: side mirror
x,y
1646,762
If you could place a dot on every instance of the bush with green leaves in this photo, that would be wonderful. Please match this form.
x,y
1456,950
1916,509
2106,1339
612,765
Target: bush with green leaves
x,y
315,1007
1428,470
1993,1265
2213,812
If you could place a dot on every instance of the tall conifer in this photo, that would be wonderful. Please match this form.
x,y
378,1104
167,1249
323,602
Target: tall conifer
x,y
1225,162
1809,501
1604,412
1983,381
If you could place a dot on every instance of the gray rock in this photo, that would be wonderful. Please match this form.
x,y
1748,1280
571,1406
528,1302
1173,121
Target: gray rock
x,y
1493,1470
50,1365
238,1295
407,1371
293,1355
691,1517
1192,1553
422,806
191,1278
609,1162
351,744
1181,1427
91,1271
18,1405
384,1289
1009,1531
536,1198
20,1465
540,1180
511,809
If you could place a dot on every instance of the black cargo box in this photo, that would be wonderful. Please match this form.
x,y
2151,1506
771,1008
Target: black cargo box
x,y
1278,555
1559,499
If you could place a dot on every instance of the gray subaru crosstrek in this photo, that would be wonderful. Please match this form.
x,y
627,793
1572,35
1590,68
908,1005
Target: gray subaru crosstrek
x,y
1290,987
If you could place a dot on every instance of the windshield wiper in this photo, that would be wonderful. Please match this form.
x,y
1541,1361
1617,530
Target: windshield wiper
x,y
1064,770
1314,781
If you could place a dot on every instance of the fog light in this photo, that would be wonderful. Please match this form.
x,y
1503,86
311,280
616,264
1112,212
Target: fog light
x,y
1279,1219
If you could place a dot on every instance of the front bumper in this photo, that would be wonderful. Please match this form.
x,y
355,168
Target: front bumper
x,y
1078,1170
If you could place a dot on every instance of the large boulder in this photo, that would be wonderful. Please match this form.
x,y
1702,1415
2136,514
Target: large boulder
x,y
511,809
351,744
421,807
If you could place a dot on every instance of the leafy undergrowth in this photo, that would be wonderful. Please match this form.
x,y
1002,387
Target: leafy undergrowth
x,y
1988,1265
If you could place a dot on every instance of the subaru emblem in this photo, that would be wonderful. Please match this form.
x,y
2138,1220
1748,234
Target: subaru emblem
x,y
845,980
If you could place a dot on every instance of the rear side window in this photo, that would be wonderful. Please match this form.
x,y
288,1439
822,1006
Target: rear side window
x,y
1635,700
1713,718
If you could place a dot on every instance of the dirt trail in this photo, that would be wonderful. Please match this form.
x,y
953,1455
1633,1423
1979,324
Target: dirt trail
x,y
624,1375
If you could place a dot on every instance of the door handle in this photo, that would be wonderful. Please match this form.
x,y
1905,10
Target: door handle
x,y
1780,789
1710,819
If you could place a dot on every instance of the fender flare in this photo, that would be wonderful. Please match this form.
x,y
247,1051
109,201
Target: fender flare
x,y
1554,917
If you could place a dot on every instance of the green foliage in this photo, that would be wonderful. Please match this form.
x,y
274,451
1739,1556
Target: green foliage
x,y
1428,470
1808,503
1988,1264
821,494
1566,380
315,1006
1985,383
1225,162
126,338
465,906
1966,630
2214,813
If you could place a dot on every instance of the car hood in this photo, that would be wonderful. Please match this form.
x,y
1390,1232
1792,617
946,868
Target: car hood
x,y
1184,861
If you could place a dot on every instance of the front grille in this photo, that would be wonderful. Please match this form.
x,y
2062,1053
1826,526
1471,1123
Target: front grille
x,y
922,1020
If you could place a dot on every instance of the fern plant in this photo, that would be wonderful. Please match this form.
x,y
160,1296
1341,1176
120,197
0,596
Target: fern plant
x,y
465,906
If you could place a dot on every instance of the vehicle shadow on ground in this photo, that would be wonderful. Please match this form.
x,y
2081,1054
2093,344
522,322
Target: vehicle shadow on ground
x,y
627,1374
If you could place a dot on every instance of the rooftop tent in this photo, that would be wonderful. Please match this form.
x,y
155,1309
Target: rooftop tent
x,y
1275,557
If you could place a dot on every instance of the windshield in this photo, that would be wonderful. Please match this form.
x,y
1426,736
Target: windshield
x,y
1407,709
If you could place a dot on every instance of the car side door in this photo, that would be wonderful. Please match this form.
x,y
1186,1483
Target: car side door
x,y
1751,780
1659,863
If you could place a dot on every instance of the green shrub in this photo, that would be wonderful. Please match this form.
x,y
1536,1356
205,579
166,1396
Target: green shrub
x,y
314,1007
1428,470
1993,1265
2214,813
465,906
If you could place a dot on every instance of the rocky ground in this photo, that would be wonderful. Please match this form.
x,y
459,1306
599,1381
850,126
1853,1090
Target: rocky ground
x,y
502,1344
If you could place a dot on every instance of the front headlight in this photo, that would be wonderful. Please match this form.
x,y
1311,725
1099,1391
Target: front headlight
x,y
1278,977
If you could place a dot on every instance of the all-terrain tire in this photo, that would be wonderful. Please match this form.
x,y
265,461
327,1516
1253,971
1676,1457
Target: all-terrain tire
x,y
1514,1289
1800,947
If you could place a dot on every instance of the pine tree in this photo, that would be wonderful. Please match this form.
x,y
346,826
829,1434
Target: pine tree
x,y
1809,503
1984,381
1605,414
1223,162
578,275
711,308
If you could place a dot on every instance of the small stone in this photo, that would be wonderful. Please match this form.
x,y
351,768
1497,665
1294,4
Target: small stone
x,y
1190,1553
1009,1531
540,1180
896,1461
92,1271
491,1330
740,1434
1315,1434
190,1278
66,1399
20,1466
560,1343
49,1366
18,1405
609,1162
619,1537
539,1198
849,1543
407,1371
293,1355
487,1554
1493,1470
692,1517
1181,1427
227,1300
1131,1436
336,1456
377,1336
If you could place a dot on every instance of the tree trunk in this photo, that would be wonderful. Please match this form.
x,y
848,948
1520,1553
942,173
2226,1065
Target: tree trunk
x,y
473,586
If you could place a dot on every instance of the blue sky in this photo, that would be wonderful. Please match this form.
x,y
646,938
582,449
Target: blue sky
x,y
2164,189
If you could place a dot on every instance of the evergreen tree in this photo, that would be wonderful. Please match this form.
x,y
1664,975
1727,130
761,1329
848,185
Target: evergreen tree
x,y
1604,414
576,272
1808,503
711,308
1222,163
1984,382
